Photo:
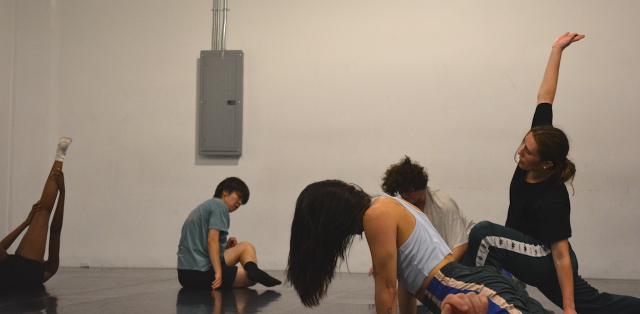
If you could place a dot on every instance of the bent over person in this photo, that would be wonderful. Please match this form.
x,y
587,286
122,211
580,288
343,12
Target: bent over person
x,y
409,180
410,259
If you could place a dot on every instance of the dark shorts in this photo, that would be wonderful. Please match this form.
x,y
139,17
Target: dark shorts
x,y
203,279
17,272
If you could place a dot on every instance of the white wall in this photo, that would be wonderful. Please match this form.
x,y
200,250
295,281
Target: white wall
x,y
333,89
7,32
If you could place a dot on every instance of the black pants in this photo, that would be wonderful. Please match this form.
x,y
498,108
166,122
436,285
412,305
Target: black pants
x,y
530,261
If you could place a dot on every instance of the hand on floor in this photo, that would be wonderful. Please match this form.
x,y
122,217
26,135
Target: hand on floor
x,y
470,303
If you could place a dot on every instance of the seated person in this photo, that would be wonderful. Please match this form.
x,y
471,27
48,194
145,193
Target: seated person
x,y
205,258
408,180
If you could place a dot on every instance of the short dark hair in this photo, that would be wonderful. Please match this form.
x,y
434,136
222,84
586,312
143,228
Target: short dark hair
x,y
233,184
404,177
328,215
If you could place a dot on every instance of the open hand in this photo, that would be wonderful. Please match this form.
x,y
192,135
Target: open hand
x,y
566,39
217,281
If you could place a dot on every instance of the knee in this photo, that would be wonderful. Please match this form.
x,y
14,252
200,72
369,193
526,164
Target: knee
x,y
246,246
480,231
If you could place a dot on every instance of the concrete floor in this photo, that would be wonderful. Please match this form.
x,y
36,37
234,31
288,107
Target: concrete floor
x,y
102,290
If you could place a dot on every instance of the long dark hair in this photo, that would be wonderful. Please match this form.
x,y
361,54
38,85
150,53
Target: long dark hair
x,y
328,215
553,146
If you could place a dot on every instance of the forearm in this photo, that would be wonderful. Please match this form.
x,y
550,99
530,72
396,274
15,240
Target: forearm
x,y
565,279
560,252
12,236
406,302
458,252
548,87
386,298
214,256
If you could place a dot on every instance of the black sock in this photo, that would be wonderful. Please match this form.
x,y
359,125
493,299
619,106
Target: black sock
x,y
257,275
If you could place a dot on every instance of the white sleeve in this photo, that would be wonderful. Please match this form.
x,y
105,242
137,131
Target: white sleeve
x,y
456,225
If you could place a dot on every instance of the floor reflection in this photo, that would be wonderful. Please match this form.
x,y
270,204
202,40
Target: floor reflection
x,y
28,301
223,301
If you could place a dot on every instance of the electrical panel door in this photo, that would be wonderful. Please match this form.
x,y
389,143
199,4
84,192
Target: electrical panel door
x,y
220,103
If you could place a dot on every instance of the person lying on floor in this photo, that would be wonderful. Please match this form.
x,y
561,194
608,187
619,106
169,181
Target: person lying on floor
x,y
27,269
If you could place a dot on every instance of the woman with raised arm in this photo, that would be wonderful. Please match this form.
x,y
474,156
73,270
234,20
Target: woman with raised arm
x,y
534,245
409,257
26,269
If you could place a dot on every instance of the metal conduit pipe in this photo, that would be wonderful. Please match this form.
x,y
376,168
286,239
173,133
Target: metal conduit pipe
x,y
224,24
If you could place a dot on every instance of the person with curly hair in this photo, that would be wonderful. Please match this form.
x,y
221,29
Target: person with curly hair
x,y
409,180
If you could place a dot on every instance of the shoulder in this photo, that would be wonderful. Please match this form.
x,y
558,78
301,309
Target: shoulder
x,y
557,192
555,199
215,206
442,199
381,209
216,203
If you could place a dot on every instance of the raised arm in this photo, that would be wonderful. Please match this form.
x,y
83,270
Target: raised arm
x,y
547,91
381,236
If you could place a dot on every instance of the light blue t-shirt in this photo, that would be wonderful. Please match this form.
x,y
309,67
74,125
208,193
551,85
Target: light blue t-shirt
x,y
193,251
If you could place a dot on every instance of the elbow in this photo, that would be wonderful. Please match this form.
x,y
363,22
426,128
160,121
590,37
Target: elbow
x,y
388,287
545,99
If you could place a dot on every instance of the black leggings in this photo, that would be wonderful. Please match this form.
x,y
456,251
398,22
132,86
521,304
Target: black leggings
x,y
530,261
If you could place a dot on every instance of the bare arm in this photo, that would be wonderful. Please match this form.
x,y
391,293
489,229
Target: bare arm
x,y
458,252
406,301
213,242
547,91
564,271
381,236
13,235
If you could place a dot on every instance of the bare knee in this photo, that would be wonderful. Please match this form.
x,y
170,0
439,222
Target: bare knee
x,y
247,246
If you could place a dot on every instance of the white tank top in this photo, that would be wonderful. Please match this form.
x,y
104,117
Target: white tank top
x,y
423,251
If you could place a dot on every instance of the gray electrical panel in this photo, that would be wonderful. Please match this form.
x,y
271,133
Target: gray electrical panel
x,y
220,103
